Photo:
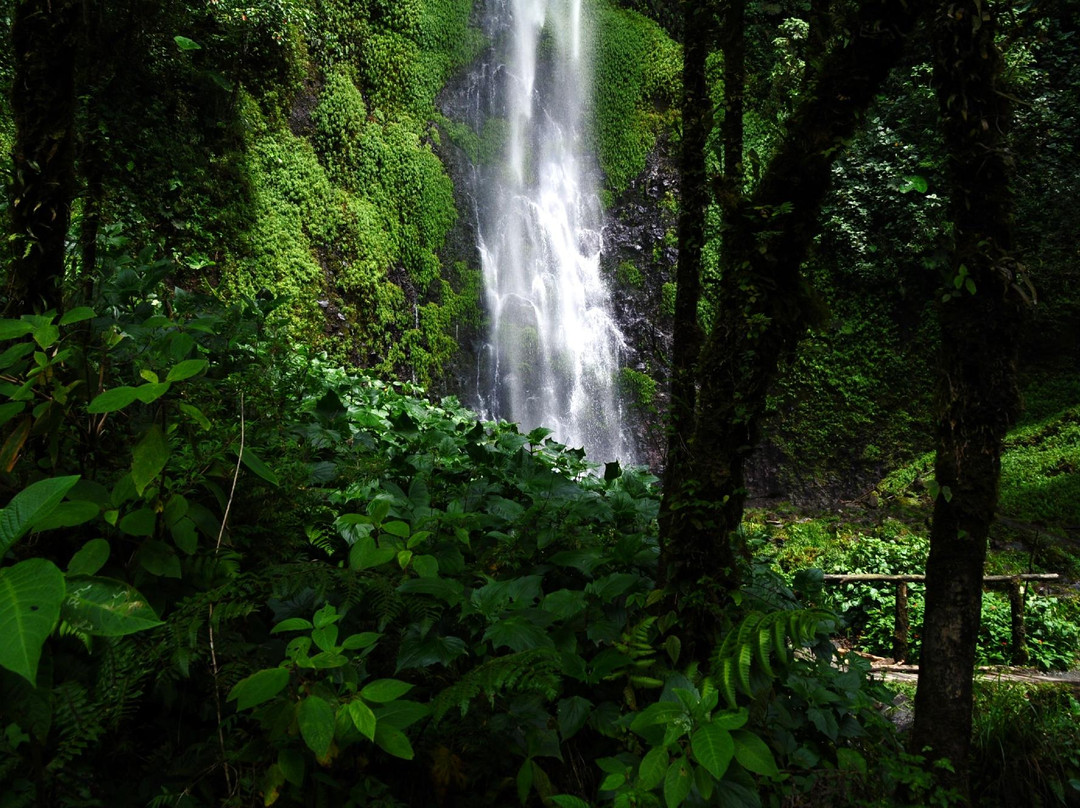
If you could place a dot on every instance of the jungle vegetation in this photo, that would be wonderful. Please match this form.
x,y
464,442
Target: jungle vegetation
x,y
255,549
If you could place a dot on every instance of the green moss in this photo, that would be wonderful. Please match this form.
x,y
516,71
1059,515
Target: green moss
x,y
667,299
639,388
629,275
638,82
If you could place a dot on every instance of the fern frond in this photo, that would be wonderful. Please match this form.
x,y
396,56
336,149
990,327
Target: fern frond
x,y
534,671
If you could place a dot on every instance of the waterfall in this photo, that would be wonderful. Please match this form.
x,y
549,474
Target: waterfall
x,y
553,353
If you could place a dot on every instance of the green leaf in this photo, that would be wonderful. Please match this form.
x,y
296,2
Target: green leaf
x,y
525,780
401,713
195,414
186,369
185,44
518,634
383,690
713,748
653,766
12,329
292,624
77,315
291,763
68,514
572,714
148,458
113,400
426,566
611,782
159,559
914,183
355,642
30,505
185,536
316,719
259,687
752,753
139,523
661,712
365,555
148,393
677,783
731,719
399,529
850,760
362,717
569,801
104,607
90,558
252,461
30,596
46,335
394,742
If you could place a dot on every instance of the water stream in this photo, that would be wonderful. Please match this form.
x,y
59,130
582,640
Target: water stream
x,y
553,353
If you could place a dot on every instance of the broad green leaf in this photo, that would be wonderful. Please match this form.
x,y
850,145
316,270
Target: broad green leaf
x,y
185,44
752,753
611,782
10,410
572,714
401,713
292,624
254,464
713,748
159,559
365,555
12,329
185,536
139,523
30,596
259,687
383,690
355,642
569,801
325,637
653,767
90,558
426,566
525,780
443,588
77,315
914,183
731,719
394,742
149,376
677,783
113,400
195,414
661,712
68,514
105,607
362,717
186,369
30,505
148,393
148,458
316,719
291,762
399,529
518,634
46,335
850,760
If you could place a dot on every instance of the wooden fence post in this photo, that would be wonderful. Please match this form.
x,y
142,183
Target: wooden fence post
x,y
902,623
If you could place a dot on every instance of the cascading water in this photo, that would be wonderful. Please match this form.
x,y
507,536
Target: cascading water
x,y
553,355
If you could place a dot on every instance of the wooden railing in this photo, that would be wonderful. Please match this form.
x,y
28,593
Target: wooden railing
x,y
901,625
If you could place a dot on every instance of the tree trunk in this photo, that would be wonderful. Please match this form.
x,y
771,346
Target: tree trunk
x,y
764,307
977,392
43,101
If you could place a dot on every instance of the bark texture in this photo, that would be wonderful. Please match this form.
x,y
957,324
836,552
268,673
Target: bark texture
x,y
977,397
764,308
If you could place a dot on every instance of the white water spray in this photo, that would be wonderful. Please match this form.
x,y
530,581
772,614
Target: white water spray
x,y
554,348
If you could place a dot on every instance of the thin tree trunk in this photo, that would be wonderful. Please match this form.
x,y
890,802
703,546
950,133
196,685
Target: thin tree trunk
x,y
43,101
764,308
977,391
697,119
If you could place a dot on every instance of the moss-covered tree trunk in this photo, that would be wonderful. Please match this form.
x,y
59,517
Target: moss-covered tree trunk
x,y
43,101
977,391
764,308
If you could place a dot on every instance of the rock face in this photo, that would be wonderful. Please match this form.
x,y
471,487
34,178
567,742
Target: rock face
x,y
638,260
